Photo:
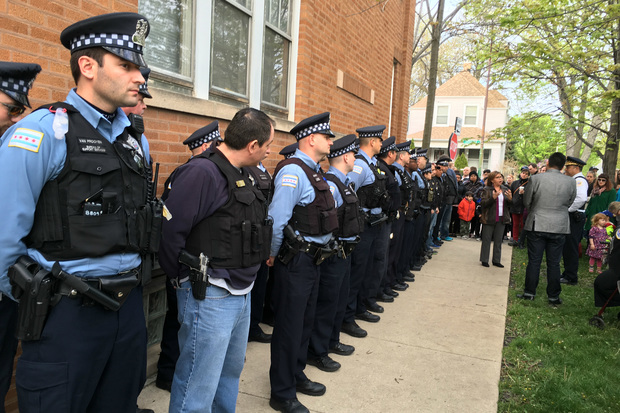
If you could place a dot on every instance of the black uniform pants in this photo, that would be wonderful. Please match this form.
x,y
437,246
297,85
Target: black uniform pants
x,y
8,345
570,253
333,273
604,286
378,268
88,359
169,339
363,265
394,251
258,299
295,291
402,265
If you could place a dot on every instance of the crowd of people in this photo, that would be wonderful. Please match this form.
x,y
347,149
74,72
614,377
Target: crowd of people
x,y
313,249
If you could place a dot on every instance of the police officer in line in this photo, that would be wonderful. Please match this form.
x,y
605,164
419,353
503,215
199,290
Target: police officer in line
x,y
380,290
198,142
70,211
398,247
436,189
422,253
368,259
449,198
576,212
16,79
336,270
415,227
289,150
304,214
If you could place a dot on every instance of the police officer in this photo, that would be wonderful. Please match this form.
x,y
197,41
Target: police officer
x,y
450,196
198,142
335,271
289,150
304,214
435,197
576,212
368,260
212,247
72,207
409,259
16,79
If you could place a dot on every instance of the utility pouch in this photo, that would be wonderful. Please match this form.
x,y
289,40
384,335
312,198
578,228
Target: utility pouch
x,y
120,286
34,287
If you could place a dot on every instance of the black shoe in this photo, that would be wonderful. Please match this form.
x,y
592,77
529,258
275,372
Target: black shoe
x,y
399,286
139,410
417,268
324,363
555,301
498,264
163,384
366,316
288,406
409,278
353,330
391,292
384,298
261,337
567,281
525,297
342,349
513,243
311,388
485,264
376,308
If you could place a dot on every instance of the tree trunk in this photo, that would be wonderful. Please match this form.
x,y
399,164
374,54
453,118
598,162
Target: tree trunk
x,y
611,147
432,77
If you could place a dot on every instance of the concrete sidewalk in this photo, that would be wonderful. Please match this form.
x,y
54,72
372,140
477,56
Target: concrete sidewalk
x,y
437,348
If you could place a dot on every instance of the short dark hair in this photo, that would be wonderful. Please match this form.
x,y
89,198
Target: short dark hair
x,y
533,165
95,53
557,160
247,125
468,193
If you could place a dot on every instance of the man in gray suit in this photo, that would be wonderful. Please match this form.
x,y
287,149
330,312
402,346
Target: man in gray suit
x,y
547,198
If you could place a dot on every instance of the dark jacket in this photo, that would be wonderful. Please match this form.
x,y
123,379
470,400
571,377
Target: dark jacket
x,y
489,206
517,206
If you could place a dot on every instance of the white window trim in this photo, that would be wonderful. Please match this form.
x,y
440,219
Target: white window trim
x,y
465,114
435,116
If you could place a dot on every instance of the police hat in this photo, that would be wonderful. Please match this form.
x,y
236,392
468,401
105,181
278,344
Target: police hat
x,y
422,153
573,161
525,168
427,169
593,169
314,124
344,145
143,88
388,145
443,161
16,80
404,146
122,34
371,131
289,150
203,135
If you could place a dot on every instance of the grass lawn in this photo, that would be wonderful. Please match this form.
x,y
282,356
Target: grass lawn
x,y
553,360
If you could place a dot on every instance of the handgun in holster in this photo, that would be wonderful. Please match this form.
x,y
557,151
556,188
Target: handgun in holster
x,y
291,244
376,219
35,288
198,273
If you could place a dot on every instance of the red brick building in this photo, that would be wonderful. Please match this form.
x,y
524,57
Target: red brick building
x,y
290,58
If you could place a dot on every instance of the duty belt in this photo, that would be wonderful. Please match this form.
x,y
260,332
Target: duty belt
x,y
118,287
319,252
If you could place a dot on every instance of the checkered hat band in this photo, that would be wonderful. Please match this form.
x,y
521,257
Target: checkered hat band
x,y
142,88
344,150
122,41
312,129
371,135
413,156
391,147
205,139
15,85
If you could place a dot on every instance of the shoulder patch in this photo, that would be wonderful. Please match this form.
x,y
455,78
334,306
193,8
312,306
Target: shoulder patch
x,y
290,180
357,169
579,182
332,189
26,139
618,234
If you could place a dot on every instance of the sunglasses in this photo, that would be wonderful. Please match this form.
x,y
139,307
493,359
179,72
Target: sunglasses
x,y
14,110
602,179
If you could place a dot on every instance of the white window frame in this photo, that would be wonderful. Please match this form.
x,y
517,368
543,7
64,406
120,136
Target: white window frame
x,y
437,114
465,115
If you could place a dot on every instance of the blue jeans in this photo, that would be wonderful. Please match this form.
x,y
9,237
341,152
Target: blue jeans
x,y
537,244
212,339
430,239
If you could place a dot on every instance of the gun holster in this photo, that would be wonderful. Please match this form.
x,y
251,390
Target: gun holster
x,y
35,288
287,251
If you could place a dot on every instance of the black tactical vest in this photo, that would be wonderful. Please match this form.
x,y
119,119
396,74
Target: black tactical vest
x,y
350,214
407,190
98,203
320,216
262,180
374,195
238,234
391,187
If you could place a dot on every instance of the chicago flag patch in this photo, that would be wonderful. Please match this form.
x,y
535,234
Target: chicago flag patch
x,y
26,139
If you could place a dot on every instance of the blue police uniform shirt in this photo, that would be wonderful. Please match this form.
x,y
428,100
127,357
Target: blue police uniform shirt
x,y
396,175
30,169
292,187
417,176
336,192
362,175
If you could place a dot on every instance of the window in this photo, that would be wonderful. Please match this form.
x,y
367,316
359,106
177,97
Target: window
x,y
471,116
242,53
441,117
169,44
